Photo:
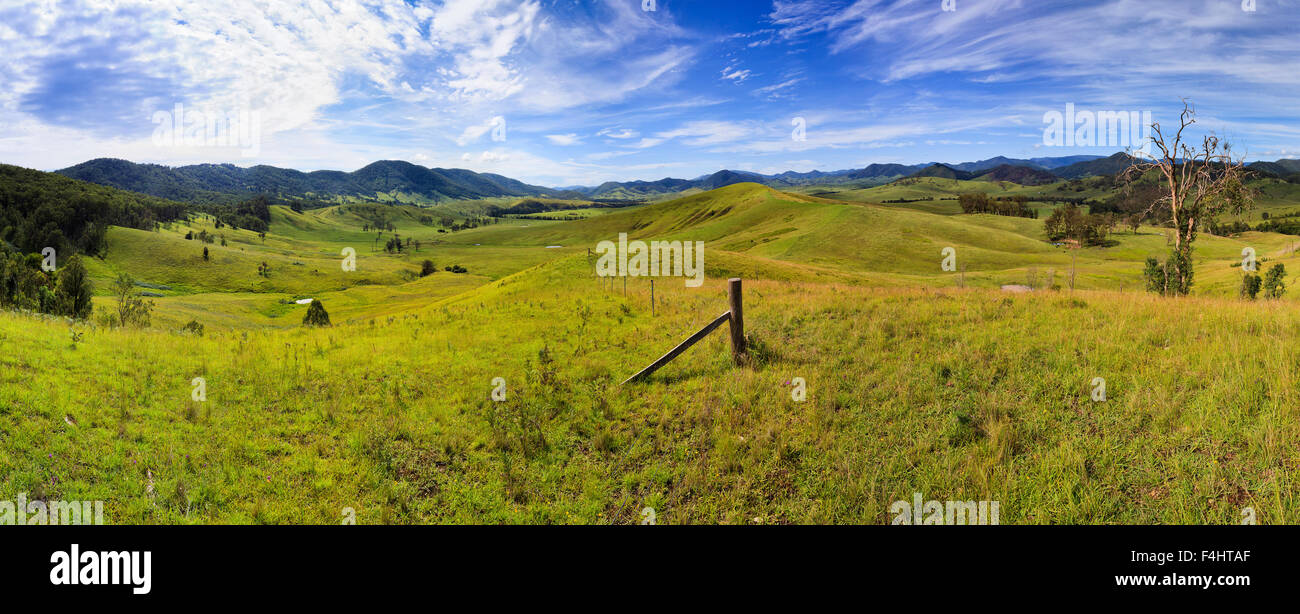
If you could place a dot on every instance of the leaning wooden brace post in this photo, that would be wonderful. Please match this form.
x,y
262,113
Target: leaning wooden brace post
x,y
733,315
737,320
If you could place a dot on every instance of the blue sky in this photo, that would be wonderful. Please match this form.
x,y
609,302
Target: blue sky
x,y
591,91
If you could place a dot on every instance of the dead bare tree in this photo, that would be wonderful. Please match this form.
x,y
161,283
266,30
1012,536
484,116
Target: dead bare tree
x,y
1198,184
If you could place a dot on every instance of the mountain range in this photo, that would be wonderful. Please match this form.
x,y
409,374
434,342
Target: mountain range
x,y
223,183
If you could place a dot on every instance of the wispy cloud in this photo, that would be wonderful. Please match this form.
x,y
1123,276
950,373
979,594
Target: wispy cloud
x,y
600,89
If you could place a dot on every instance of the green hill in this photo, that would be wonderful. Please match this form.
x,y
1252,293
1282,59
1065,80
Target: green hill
x,y
930,386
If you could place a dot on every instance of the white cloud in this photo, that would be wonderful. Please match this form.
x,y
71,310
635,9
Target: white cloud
x,y
620,133
432,69
735,74
564,139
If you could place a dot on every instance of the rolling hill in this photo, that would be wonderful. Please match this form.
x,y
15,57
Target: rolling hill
x,y
230,183
915,384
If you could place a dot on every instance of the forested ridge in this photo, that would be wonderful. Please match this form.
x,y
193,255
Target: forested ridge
x,y
39,210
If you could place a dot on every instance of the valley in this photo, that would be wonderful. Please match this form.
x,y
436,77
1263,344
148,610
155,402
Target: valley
x,y
919,379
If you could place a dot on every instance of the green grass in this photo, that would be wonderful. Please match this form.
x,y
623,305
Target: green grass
x,y
914,384
955,394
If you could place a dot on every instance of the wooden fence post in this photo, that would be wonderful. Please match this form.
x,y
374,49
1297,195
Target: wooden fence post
x,y
737,319
734,315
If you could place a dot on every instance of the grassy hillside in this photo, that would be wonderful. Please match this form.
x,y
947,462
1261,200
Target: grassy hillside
x,y
956,394
914,384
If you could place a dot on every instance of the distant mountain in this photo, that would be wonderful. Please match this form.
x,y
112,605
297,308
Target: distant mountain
x,y
1023,175
1100,166
722,179
1053,163
1280,168
230,183
636,189
942,171
668,185
1038,163
225,183
984,165
879,171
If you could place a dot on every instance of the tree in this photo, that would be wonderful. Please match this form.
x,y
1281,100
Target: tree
x,y
1199,183
72,296
1133,221
316,315
1070,222
428,268
1250,286
1154,276
205,254
132,309
1273,281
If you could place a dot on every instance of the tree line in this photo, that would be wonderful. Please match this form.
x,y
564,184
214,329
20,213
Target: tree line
x,y
39,210
1013,206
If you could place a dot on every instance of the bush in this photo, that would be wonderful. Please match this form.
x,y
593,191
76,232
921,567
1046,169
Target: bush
x,y
132,309
72,295
427,268
1273,281
1250,285
316,315
1154,275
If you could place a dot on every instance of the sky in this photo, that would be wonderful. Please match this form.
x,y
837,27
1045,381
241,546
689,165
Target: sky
x,y
564,93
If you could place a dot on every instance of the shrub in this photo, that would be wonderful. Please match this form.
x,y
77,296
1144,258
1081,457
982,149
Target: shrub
x,y
1154,275
316,315
1250,285
132,309
1273,281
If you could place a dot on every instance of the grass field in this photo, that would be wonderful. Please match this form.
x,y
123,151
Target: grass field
x,y
914,383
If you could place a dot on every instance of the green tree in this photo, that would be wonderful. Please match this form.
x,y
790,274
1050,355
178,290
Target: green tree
x,y
1274,286
1154,275
1250,285
72,295
132,309
316,315
428,268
